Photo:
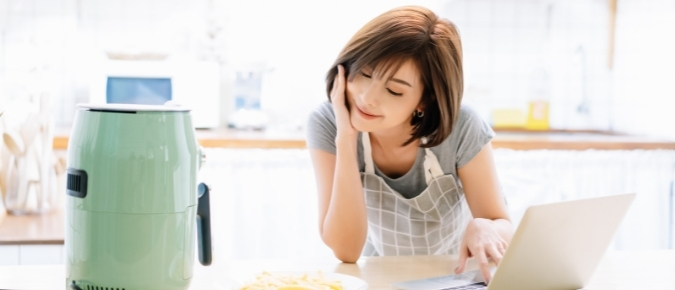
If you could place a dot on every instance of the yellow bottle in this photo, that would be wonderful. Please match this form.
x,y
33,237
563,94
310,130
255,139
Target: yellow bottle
x,y
537,115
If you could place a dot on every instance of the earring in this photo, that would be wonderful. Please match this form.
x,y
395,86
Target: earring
x,y
419,114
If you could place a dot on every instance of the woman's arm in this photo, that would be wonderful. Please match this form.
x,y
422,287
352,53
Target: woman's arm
x,y
342,209
489,233
483,191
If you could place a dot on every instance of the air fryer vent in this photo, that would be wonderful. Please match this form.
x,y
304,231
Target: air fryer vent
x,y
76,184
89,287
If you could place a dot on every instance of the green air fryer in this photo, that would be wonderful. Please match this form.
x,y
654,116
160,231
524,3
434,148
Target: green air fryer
x,y
132,199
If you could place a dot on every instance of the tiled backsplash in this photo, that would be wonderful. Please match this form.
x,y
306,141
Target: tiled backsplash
x,y
515,51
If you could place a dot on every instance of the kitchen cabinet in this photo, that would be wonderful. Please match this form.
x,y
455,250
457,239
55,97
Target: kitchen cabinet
x,y
31,255
264,195
41,254
264,202
9,255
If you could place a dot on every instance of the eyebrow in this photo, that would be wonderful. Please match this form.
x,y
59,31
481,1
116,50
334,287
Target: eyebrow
x,y
400,81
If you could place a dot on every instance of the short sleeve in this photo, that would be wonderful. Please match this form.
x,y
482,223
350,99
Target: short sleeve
x,y
472,133
321,128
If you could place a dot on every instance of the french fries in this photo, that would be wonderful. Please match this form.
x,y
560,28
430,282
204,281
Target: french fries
x,y
269,281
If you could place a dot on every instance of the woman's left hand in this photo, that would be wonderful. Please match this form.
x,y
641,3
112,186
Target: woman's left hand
x,y
482,241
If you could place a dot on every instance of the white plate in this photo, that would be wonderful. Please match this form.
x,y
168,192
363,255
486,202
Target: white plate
x,y
348,282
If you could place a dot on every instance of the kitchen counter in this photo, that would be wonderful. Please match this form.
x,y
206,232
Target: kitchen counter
x,y
40,229
511,139
618,270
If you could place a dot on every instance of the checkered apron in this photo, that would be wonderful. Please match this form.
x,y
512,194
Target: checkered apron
x,y
428,224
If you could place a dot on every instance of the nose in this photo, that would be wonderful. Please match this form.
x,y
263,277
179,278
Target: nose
x,y
369,96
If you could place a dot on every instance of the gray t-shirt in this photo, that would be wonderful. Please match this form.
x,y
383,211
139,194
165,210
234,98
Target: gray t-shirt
x,y
468,137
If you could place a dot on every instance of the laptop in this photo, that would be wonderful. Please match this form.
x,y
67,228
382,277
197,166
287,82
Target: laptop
x,y
556,246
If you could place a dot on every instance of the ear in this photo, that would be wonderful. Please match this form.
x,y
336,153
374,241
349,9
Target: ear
x,y
420,107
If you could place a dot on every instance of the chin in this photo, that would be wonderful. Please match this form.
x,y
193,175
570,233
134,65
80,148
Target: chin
x,y
362,125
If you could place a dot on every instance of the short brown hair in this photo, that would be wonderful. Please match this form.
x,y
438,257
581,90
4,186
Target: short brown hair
x,y
432,43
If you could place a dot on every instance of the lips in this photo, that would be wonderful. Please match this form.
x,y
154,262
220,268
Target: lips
x,y
366,113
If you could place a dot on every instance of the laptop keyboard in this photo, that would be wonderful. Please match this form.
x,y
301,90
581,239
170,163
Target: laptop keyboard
x,y
479,285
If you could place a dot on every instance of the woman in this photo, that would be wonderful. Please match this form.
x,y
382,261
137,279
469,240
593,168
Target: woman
x,y
397,158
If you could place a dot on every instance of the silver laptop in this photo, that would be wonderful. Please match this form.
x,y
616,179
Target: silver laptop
x,y
556,246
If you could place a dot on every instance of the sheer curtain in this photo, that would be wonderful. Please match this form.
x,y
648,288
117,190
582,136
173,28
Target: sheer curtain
x,y
264,201
541,176
263,204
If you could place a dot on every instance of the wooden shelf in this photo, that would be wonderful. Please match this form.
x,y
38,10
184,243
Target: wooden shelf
x,y
516,139
578,141
225,138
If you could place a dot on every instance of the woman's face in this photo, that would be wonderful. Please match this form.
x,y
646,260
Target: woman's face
x,y
379,104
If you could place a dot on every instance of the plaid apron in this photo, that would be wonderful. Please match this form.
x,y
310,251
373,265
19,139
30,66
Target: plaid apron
x,y
428,224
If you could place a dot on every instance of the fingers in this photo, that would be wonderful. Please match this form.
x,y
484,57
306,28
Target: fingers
x,y
481,253
502,247
484,242
338,94
484,265
341,105
495,254
338,89
341,79
332,89
463,258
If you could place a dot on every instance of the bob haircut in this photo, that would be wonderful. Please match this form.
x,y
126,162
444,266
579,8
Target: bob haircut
x,y
432,43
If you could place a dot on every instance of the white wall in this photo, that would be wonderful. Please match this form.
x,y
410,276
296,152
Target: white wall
x,y
512,49
644,79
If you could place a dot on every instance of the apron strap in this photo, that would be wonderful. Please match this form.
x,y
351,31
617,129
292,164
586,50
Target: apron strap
x,y
367,153
432,168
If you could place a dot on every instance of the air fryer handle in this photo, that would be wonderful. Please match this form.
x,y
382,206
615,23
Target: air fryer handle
x,y
204,225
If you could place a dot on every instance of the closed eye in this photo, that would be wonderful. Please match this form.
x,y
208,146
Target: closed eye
x,y
365,75
394,93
